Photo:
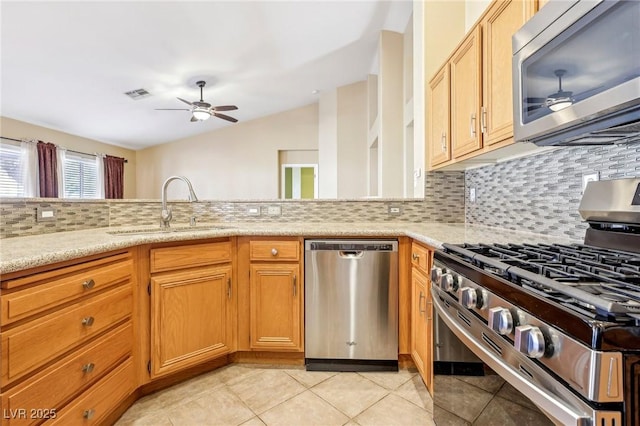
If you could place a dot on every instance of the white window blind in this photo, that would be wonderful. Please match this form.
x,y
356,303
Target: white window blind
x,y
12,164
80,176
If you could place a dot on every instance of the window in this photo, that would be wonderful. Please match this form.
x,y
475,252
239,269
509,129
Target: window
x,y
80,176
12,164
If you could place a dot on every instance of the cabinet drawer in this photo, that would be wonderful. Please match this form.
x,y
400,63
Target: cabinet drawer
x,y
420,257
27,347
63,285
274,250
168,258
63,380
93,405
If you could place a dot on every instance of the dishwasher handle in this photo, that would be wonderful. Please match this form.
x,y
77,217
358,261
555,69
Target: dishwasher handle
x,y
351,254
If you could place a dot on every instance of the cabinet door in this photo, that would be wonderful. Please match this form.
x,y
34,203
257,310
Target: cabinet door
x,y
420,333
439,149
191,317
501,22
465,68
275,303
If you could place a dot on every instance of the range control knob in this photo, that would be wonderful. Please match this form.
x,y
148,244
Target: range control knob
x,y
449,282
530,341
470,298
500,320
436,273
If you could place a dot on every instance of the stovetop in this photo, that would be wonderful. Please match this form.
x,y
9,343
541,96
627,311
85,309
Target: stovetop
x,y
596,282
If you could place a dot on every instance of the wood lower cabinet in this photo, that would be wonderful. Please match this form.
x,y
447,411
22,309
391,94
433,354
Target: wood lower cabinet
x,y
192,309
276,307
421,313
270,292
65,330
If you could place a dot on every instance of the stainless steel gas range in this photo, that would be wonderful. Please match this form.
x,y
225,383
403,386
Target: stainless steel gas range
x,y
559,323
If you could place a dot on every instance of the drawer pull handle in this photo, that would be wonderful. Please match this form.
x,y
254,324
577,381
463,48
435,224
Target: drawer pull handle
x,y
89,284
415,256
88,368
88,321
88,414
274,251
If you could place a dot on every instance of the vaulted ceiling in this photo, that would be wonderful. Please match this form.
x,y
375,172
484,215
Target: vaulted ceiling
x,y
66,65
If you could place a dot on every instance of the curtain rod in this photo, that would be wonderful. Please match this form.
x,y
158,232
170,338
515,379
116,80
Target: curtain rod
x,y
70,150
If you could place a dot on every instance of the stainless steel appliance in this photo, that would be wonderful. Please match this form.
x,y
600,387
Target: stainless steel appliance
x,y
351,305
560,323
576,74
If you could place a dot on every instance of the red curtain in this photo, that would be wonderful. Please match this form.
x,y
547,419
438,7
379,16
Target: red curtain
x,y
47,169
113,177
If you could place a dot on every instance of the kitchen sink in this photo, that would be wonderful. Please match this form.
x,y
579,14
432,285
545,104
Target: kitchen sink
x,y
172,230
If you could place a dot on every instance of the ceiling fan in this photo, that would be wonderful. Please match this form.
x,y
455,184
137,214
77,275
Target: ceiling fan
x,y
555,101
202,110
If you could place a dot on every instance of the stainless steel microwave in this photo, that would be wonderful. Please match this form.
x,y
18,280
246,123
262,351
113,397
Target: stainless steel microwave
x,y
576,74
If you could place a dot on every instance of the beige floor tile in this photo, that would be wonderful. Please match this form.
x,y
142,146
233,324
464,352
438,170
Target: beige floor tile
x,y
310,378
192,414
224,406
512,394
349,392
158,418
507,413
254,421
266,389
390,379
491,383
304,409
416,392
394,410
460,398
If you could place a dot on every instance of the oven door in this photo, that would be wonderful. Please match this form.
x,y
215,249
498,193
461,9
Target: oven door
x,y
509,390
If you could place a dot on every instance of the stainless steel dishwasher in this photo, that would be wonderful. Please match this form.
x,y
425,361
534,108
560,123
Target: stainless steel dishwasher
x,y
351,305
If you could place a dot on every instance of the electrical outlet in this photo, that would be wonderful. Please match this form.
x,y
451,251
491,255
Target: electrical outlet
x,y
395,210
472,195
45,214
591,177
253,210
274,210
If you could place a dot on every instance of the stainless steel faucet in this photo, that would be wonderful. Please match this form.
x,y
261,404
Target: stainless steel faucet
x,y
166,215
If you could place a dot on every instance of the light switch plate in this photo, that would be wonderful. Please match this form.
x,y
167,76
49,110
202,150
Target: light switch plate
x,y
253,210
472,195
274,210
45,214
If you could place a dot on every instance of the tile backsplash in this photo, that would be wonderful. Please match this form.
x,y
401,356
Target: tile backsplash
x,y
541,193
444,202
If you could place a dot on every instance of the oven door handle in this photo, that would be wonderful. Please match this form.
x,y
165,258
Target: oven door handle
x,y
561,413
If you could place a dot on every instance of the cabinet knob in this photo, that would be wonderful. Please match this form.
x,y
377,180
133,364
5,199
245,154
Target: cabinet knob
x,y
274,251
88,368
88,414
89,284
88,321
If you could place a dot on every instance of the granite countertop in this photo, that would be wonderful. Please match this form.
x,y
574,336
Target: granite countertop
x,y
36,250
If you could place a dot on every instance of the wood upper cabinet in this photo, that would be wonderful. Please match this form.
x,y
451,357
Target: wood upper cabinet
x,y
502,20
480,93
439,134
192,309
421,313
466,82
276,306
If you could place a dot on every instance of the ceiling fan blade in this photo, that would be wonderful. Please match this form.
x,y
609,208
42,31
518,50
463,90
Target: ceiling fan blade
x,y
186,102
173,109
193,119
535,100
224,108
225,117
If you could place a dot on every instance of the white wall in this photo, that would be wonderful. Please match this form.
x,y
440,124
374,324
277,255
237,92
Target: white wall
x,y
352,140
419,90
239,161
473,10
328,144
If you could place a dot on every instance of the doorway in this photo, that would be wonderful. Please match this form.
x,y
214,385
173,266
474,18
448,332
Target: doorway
x,y
299,181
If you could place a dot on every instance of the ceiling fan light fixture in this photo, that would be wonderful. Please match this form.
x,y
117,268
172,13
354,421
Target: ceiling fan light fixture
x,y
560,101
201,114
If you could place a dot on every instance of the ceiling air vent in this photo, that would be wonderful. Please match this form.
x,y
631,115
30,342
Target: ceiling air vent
x,y
138,94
